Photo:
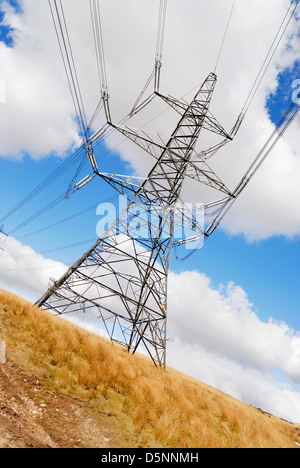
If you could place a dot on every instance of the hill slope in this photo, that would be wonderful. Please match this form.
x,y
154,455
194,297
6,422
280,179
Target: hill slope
x,y
65,387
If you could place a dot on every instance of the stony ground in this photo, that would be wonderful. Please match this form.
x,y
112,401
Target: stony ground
x,y
34,417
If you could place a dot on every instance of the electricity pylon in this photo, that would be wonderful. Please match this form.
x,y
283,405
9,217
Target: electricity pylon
x,y
124,276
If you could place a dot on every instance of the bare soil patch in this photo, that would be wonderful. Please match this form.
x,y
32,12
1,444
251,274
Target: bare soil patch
x,y
34,417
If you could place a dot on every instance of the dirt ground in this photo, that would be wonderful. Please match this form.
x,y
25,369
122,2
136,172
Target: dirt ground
x,y
33,417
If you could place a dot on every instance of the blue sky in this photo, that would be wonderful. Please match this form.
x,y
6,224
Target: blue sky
x,y
267,270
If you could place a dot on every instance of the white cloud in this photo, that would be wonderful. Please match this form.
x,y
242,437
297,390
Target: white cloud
x,y
24,271
224,322
37,116
220,340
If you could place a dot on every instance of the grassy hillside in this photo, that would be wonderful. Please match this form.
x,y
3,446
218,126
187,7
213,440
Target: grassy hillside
x,y
154,408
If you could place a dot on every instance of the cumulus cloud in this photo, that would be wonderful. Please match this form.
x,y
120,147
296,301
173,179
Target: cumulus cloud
x,y
38,115
219,339
224,322
24,271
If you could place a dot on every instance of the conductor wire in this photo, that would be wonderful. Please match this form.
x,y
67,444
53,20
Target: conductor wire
x,y
224,37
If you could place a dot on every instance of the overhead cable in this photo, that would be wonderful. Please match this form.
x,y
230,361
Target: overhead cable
x,y
285,122
224,37
62,34
99,44
273,48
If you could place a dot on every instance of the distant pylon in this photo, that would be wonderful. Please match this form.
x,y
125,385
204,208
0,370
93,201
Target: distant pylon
x,y
123,278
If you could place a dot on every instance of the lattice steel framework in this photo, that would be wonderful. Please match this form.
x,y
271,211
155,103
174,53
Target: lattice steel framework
x,y
124,277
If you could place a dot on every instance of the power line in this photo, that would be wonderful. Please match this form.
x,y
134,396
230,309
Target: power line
x,y
99,44
285,122
273,49
161,29
224,37
64,167
62,34
69,218
282,126
37,215
56,249
58,223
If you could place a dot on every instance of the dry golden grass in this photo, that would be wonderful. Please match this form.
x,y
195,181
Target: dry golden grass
x,y
166,409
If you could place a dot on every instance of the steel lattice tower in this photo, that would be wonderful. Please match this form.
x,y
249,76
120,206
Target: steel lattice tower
x,y
122,277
